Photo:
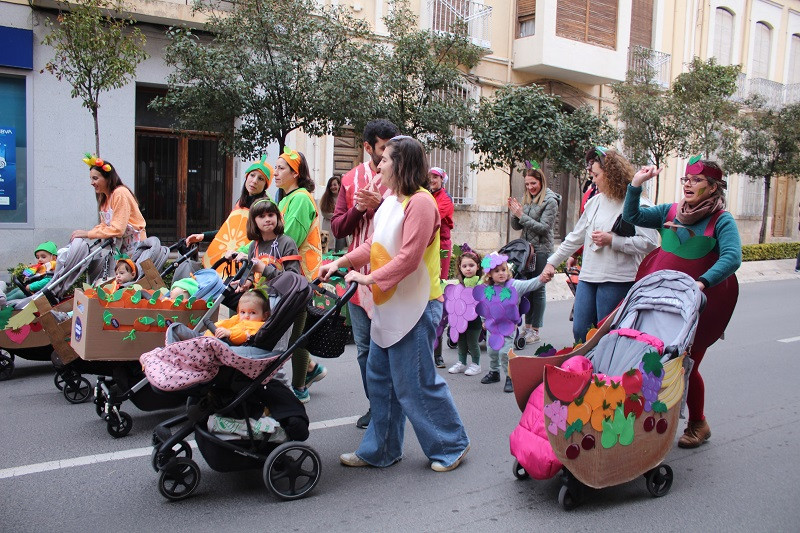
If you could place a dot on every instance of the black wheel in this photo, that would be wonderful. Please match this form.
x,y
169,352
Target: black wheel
x,y
6,365
179,479
292,470
519,472
159,460
659,480
519,342
119,424
58,380
567,499
76,389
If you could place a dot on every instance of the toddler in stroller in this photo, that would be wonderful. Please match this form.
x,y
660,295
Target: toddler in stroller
x,y
609,412
223,381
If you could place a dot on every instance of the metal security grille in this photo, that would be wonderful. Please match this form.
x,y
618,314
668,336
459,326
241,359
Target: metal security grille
x,y
444,14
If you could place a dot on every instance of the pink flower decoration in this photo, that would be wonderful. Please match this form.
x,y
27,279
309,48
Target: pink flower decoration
x,y
461,309
557,414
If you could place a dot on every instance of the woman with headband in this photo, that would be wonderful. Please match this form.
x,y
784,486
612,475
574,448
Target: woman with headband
x,y
700,238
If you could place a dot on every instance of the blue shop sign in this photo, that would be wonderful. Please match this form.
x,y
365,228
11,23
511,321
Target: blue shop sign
x,y
16,48
8,168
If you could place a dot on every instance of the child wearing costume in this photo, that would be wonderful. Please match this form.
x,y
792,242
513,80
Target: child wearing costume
x,y
498,289
252,312
45,265
700,238
469,274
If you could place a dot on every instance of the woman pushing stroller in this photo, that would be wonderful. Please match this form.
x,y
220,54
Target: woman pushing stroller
x,y
698,237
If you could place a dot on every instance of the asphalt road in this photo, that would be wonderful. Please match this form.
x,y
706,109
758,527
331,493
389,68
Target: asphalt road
x,y
743,479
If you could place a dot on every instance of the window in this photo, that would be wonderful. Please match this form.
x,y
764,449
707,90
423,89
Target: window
x,y
589,21
642,23
752,197
794,60
761,50
445,13
13,151
526,18
723,36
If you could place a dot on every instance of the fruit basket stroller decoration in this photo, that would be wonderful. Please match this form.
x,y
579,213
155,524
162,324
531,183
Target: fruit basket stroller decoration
x,y
612,415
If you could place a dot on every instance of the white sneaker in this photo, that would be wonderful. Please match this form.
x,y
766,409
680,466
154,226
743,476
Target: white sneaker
x,y
472,370
532,336
457,368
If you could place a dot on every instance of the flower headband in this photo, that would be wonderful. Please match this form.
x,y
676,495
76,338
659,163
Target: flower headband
x,y
493,260
94,161
292,157
532,164
696,167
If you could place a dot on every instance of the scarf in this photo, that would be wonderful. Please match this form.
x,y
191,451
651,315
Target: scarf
x,y
690,215
472,282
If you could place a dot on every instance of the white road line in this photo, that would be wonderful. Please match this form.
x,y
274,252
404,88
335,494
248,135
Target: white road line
x,y
790,339
130,454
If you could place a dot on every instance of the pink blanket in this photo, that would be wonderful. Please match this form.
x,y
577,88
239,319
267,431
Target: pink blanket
x,y
187,363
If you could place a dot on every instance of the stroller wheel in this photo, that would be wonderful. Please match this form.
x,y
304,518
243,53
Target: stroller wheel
x,y
659,480
450,344
566,499
58,380
519,342
519,472
77,389
292,470
160,459
6,365
119,424
179,479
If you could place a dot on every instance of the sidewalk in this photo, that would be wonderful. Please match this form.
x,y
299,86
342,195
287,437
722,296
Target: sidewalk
x,y
749,272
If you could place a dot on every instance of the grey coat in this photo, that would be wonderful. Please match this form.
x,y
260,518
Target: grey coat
x,y
538,220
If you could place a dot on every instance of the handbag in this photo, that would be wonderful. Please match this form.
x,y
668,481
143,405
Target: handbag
x,y
622,228
330,338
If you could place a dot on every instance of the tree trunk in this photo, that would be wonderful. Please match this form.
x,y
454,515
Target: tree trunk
x,y
762,235
96,131
508,219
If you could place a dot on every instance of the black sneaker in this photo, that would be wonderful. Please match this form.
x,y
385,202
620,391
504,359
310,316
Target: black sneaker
x,y
363,422
492,377
438,361
508,386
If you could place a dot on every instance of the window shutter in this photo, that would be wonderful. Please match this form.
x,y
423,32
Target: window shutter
x,y
589,21
571,19
526,8
642,23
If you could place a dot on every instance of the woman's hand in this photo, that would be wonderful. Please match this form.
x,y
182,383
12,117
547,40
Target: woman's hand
x,y
326,271
79,234
602,238
358,277
235,256
701,285
644,174
242,286
515,207
548,273
194,238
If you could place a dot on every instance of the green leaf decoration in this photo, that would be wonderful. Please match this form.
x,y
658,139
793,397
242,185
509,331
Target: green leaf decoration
x,y
695,159
154,298
609,437
457,250
130,336
575,427
194,320
488,292
102,294
146,320
543,348
107,316
190,302
116,296
160,320
652,364
209,304
5,314
136,298
505,294
695,247
659,407
175,319
178,301
87,287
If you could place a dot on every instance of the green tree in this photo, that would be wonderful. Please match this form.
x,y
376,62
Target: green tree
x,y
270,67
580,130
703,95
419,78
97,48
766,144
652,120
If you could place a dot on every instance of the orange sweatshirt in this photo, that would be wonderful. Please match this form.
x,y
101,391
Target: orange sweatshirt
x,y
123,210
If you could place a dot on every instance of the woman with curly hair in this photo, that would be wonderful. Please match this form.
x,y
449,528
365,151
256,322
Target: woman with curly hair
x,y
612,249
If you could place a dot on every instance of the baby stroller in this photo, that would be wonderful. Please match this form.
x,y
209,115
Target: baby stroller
x,y
573,275
123,381
239,389
612,416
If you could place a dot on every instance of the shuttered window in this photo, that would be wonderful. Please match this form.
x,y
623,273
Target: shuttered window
x,y
526,18
794,60
723,36
589,21
761,50
642,23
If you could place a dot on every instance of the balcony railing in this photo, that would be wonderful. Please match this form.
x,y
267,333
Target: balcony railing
x,y
444,14
772,93
792,94
641,59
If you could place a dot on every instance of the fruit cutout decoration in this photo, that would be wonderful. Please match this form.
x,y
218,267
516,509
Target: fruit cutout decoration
x,y
501,308
557,414
378,257
461,308
231,236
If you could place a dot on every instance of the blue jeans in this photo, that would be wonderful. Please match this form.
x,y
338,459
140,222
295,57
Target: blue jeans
x,y
404,383
537,298
361,323
593,302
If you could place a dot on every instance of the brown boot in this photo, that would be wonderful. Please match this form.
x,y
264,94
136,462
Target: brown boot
x,y
696,433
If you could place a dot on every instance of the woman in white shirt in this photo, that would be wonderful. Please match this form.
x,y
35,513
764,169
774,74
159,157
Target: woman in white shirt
x,y
612,250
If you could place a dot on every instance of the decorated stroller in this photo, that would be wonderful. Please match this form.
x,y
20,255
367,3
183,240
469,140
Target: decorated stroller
x,y
611,416
224,384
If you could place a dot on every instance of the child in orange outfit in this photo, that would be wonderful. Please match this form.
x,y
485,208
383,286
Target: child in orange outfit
x,y
252,312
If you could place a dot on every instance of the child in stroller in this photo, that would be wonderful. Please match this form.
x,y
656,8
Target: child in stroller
x,y
37,275
237,382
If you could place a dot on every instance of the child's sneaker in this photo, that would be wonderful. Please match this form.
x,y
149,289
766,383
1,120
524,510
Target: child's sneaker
x,y
302,394
472,370
457,368
493,376
315,375
532,336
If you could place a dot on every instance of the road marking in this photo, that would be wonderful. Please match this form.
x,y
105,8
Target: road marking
x,y
790,339
130,454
